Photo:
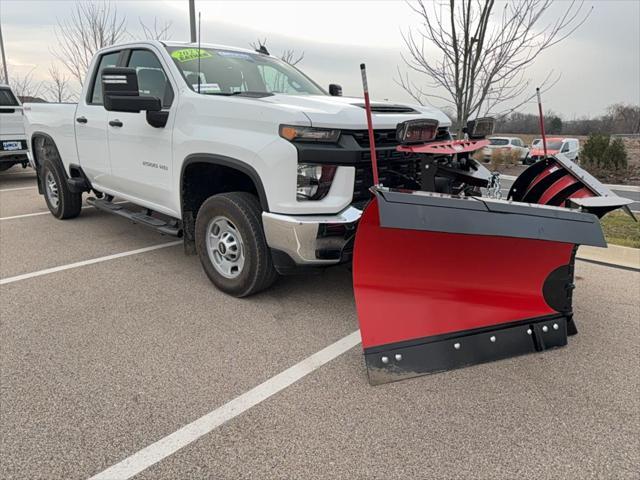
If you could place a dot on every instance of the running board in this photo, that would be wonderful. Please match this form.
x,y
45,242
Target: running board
x,y
172,227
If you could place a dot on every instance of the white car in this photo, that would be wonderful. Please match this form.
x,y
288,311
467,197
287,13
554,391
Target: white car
x,y
253,163
507,144
569,147
13,142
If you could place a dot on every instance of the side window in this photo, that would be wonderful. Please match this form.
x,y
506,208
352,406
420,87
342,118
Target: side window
x,y
516,142
152,80
565,147
107,60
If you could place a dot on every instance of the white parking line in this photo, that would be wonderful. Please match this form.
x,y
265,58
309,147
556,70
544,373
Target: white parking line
x,y
25,215
14,189
46,271
170,444
32,174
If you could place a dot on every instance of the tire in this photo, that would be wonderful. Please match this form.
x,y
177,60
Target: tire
x,y
231,244
62,203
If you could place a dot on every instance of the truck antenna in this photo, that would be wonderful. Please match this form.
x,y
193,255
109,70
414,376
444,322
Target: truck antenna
x,y
199,52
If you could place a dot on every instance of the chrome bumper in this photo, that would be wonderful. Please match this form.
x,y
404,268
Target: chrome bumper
x,y
312,239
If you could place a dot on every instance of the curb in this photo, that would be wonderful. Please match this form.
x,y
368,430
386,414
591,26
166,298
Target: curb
x,y
613,255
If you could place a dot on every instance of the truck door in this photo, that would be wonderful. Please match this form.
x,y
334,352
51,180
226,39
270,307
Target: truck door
x,y
141,155
91,125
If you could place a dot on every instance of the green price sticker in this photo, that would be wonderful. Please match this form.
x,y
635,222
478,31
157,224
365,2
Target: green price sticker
x,y
187,54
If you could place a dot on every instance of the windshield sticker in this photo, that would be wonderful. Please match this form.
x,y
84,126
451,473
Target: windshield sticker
x,y
207,87
187,54
244,56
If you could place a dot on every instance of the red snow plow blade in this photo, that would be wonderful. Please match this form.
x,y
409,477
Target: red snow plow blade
x,y
443,282
445,277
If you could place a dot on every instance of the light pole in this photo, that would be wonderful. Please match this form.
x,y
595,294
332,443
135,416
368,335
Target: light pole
x,y
192,20
4,58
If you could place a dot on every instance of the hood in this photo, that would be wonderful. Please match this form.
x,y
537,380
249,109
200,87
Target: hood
x,y
348,112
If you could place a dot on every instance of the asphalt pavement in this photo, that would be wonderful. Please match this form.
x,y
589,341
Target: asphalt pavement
x,y
100,360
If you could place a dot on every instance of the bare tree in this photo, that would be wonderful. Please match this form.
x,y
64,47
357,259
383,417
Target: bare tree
x,y
484,52
291,57
157,31
25,85
92,26
288,56
58,89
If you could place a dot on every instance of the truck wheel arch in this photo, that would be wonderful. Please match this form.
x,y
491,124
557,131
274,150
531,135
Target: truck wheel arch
x,y
241,177
37,150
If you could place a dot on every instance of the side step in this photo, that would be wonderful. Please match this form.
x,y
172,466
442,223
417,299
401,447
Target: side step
x,y
171,227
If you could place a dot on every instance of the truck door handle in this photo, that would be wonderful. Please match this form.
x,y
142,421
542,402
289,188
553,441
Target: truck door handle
x,y
81,120
115,123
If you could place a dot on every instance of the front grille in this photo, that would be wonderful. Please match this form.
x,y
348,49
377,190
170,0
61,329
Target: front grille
x,y
383,138
395,170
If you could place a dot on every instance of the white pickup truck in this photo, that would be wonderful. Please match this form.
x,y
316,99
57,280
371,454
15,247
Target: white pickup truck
x,y
257,167
13,143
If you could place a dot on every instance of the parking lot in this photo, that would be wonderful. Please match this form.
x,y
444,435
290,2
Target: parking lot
x,y
112,340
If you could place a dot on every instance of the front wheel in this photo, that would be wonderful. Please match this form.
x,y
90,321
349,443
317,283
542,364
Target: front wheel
x,y
231,244
62,202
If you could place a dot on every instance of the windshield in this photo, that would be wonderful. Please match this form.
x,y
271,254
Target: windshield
x,y
498,141
7,99
226,72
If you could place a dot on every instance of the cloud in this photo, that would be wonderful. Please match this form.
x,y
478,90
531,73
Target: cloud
x,y
600,63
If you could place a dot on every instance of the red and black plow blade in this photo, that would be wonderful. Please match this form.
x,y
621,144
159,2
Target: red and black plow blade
x,y
558,181
442,282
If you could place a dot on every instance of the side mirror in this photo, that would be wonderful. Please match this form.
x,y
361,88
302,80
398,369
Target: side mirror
x,y
335,90
120,92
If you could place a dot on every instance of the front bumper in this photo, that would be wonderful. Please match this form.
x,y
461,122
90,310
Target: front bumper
x,y
312,240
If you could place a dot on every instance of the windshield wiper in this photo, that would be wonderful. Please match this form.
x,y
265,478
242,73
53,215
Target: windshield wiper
x,y
253,94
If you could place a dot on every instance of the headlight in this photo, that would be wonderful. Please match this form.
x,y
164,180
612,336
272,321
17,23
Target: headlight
x,y
480,127
417,131
314,181
309,134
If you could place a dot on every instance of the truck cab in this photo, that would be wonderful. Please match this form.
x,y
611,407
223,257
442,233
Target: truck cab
x,y
13,144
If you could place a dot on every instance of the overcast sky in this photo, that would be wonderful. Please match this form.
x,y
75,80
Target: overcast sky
x,y
599,64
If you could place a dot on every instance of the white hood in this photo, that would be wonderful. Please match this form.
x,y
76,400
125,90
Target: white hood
x,y
348,112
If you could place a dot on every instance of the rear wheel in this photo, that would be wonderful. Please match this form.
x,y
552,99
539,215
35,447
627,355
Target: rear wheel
x,y
231,245
61,201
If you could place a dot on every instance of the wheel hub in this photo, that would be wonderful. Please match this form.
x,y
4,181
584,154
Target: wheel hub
x,y
51,189
225,247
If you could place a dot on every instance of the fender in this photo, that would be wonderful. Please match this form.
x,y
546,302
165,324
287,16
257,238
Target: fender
x,y
77,183
188,219
37,163
229,162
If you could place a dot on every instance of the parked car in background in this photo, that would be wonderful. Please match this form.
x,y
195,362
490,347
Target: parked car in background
x,y
509,144
569,147
13,142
